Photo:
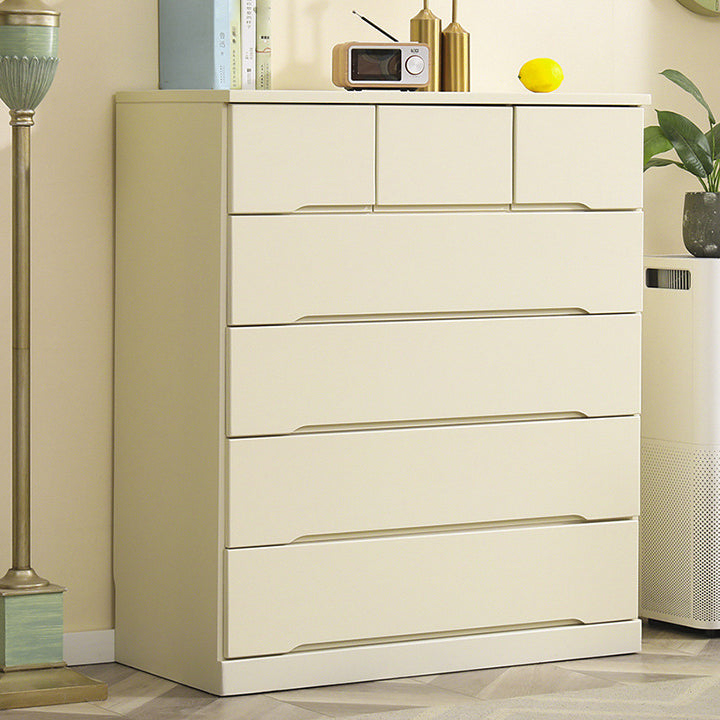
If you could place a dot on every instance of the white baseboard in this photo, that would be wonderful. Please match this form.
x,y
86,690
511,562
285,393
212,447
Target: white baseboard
x,y
89,648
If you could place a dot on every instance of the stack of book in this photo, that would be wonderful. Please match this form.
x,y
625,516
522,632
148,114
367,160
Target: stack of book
x,y
214,44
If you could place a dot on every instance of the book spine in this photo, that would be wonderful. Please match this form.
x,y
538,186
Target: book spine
x,y
263,72
235,44
248,44
193,44
221,33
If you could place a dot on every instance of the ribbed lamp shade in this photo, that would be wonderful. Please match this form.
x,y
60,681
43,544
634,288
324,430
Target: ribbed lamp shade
x,y
28,52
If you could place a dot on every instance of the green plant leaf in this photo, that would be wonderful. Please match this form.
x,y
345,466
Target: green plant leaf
x,y
689,142
661,162
655,142
689,86
713,137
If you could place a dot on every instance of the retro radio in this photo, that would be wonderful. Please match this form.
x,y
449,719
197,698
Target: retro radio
x,y
394,66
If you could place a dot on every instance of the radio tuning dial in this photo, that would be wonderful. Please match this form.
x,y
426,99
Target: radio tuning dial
x,y
414,64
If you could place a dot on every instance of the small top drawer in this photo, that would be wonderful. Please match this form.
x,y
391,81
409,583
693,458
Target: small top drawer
x,y
590,156
284,157
444,155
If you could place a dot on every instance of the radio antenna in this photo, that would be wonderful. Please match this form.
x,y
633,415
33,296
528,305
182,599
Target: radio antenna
x,y
372,24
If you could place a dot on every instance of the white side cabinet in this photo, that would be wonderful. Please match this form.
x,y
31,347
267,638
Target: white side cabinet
x,y
377,410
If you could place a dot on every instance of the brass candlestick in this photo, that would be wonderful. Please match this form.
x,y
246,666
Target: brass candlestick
x,y
455,56
32,670
425,28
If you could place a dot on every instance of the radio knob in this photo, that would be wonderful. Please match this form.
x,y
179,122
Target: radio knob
x,y
414,64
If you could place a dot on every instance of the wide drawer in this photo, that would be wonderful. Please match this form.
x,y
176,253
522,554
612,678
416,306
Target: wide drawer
x,y
590,156
281,489
322,594
316,377
301,267
285,157
444,155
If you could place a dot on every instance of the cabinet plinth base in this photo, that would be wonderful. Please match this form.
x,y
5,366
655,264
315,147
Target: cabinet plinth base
x,y
429,657
408,659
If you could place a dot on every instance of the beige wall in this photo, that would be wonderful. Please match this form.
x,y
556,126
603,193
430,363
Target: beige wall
x,y
616,45
103,47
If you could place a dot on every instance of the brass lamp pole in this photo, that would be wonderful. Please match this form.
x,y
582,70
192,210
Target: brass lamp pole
x,y
28,59
32,670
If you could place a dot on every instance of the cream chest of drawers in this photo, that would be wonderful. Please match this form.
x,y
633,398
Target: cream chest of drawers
x,y
377,383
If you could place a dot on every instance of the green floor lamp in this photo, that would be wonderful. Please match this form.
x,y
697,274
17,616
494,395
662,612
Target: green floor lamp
x,y
32,671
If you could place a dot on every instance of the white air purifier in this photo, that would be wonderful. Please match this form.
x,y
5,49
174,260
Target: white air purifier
x,y
680,489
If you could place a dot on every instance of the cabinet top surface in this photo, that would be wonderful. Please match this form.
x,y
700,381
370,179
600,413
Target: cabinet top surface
x,y
380,97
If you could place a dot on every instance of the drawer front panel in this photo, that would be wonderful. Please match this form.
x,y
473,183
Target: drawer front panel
x,y
281,489
417,165
559,158
288,268
284,157
288,378
348,591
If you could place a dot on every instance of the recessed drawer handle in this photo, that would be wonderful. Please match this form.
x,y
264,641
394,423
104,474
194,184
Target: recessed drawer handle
x,y
309,647
445,315
550,207
434,422
332,208
491,525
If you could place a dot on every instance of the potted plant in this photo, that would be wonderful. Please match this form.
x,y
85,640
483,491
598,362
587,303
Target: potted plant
x,y
699,154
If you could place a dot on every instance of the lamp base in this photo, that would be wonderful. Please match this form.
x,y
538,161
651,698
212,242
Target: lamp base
x,y
22,580
54,686
31,628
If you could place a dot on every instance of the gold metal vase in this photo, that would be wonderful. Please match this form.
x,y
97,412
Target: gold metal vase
x,y
455,56
426,28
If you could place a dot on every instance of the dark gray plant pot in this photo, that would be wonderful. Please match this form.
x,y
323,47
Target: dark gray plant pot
x,y
701,224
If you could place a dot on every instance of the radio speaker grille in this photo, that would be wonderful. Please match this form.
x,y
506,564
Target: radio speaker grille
x,y
680,531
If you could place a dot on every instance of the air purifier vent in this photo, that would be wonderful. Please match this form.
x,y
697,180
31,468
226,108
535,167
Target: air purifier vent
x,y
680,531
668,279
665,531
706,541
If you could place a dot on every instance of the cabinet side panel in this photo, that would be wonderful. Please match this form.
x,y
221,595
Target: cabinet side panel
x,y
170,257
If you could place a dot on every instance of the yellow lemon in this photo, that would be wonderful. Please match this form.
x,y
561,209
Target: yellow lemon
x,y
541,75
